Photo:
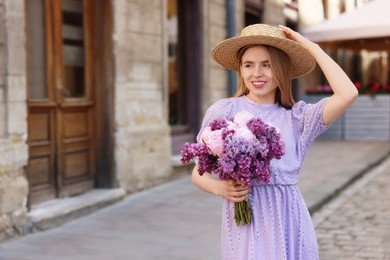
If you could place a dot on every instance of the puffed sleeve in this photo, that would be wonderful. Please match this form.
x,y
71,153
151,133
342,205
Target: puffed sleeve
x,y
309,121
218,110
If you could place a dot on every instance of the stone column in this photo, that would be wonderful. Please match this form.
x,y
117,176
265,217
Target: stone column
x,y
215,78
142,136
13,120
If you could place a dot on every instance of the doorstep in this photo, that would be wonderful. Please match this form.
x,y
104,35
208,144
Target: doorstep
x,y
56,212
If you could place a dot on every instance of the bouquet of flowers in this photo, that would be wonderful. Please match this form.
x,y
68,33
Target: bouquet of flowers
x,y
238,149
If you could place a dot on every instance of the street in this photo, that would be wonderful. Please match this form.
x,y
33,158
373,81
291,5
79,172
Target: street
x,y
177,221
356,225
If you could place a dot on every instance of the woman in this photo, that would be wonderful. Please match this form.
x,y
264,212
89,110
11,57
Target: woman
x,y
267,58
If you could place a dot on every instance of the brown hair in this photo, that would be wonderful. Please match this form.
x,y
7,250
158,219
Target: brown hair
x,y
280,65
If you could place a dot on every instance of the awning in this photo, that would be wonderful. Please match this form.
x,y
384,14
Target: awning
x,y
367,27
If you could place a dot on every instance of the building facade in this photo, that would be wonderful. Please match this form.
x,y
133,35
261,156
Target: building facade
x,y
102,94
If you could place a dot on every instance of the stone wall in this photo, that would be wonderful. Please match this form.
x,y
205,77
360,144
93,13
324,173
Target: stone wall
x,y
273,12
142,136
215,77
3,125
13,120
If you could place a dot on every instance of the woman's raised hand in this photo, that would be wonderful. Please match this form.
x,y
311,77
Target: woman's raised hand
x,y
296,36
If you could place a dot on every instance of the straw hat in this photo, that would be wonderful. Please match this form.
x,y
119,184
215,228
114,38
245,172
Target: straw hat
x,y
225,53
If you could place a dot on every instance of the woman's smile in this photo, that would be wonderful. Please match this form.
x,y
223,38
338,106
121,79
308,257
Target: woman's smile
x,y
258,84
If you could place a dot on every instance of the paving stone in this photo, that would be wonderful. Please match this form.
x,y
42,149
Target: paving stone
x,y
357,228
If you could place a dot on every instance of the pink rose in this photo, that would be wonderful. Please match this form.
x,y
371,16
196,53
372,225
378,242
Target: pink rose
x,y
245,133
232,126
242,118
213,140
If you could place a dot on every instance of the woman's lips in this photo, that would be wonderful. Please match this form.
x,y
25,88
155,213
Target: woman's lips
x,y
258,84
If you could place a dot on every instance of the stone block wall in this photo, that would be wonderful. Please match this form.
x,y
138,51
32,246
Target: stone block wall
x,y
142,137
215,78
13,120
2,73
273,12
215,22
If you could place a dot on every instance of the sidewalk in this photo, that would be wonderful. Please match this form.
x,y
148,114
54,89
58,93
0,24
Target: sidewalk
x,y
178,221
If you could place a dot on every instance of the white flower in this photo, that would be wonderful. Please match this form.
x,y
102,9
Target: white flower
x,y
213,140
242,118
245,133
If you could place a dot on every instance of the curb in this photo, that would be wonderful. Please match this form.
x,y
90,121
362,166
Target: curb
x,y
352,178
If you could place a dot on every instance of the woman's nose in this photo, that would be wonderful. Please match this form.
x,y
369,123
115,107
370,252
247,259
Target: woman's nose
x,y
258,71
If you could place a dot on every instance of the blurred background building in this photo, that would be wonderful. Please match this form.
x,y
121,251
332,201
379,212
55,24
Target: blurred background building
x,y
103,93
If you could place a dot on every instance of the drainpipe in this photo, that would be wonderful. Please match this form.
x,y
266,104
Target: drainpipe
x,y
231,32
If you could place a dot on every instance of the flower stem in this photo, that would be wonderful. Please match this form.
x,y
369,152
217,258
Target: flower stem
x,y
242,212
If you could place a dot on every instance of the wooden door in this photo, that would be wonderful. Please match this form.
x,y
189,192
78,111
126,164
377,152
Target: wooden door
x,y
184,69
61,98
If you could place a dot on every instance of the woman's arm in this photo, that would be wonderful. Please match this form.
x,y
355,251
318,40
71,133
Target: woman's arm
x,y
228,189
344,91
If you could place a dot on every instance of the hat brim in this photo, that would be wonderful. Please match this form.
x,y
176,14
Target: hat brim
x,y
302,62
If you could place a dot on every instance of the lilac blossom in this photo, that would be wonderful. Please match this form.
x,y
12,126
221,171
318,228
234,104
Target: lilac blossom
x,y
217,124
235,151
207,162
239,151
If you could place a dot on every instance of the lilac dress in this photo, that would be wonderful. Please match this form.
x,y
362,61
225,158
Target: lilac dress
x,y
281,225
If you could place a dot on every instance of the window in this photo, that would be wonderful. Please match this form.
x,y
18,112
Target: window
x,y
177,90
254,12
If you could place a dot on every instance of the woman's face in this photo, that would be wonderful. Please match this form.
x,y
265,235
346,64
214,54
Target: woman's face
x,y
258,76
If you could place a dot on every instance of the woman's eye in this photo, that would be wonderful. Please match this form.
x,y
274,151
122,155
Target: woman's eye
x,y
266,65
248,66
